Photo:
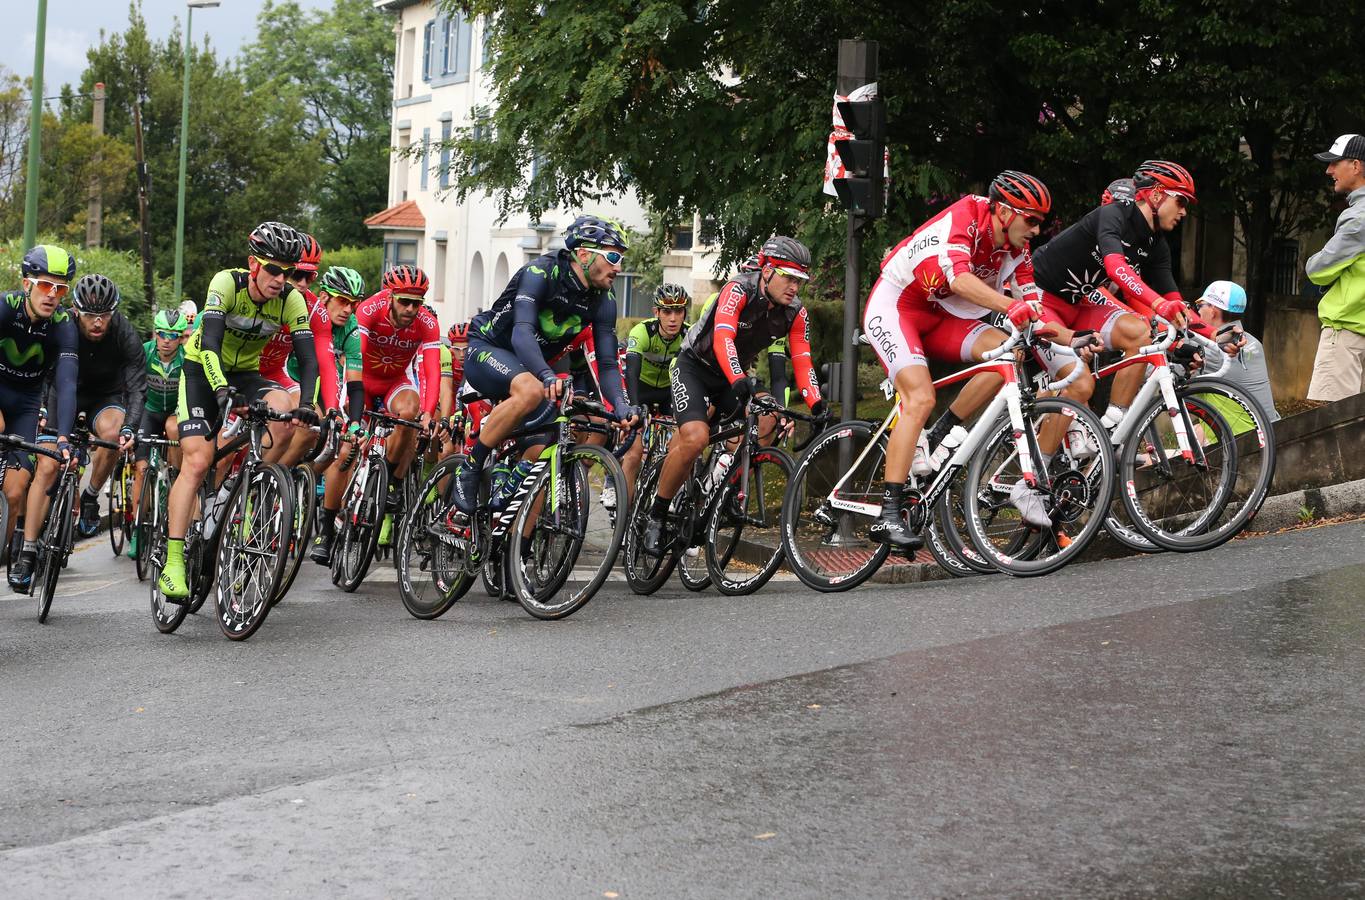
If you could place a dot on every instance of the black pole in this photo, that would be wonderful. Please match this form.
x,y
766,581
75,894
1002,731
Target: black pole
x,y
857,67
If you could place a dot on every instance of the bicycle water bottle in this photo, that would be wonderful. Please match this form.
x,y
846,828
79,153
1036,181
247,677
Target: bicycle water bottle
x,y
218,501
511,484
944,451
497,479
719,469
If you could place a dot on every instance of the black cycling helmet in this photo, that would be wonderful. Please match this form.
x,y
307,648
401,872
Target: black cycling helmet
x,y
787,254
1021,192
48,259
95,294
277,241
592,231
672,296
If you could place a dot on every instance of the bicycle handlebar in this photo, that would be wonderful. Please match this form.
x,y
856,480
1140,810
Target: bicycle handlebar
x,y
1211,347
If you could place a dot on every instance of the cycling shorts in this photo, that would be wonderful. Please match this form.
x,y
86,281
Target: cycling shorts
x,y
153,425
903,334
197,411
93,405
490,371
656,398
20,405
695,388
379,394
282,377
1097,317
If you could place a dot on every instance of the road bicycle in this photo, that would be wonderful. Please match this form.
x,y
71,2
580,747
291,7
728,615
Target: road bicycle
x,y
119,488
304,480
54,536
152,500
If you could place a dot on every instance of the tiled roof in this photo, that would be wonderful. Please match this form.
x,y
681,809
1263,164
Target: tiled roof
x,y
404,215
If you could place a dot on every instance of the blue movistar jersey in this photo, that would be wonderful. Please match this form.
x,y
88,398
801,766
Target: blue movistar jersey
x,y
31,349
543,308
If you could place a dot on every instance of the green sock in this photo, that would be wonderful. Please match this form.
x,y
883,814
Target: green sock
x,y
175,552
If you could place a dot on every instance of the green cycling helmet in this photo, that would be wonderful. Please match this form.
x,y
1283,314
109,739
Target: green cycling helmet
x,y
343,282
170,320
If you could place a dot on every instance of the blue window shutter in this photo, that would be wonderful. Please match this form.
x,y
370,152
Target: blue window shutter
x,y
445,155
466,44
426,52
426,155
449,35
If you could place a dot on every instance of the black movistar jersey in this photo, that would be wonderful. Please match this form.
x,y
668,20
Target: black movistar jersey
x,y
30,349
1072,265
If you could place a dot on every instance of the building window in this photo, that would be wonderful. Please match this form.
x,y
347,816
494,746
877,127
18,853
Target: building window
x,y
682,239
448,48
445,154
710,231
630,301
398,253
487,56
428,50
1284,273
426,155
482,132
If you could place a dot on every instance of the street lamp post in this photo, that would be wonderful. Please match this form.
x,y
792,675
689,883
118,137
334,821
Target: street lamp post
x,y
191,6
35,129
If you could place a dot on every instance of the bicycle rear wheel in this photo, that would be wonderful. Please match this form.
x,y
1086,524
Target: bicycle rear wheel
x,y
363,512
744,532
563,541
143,523
644,573
1197,503
166,616
947,533
1075,493
253,549
433,564
829,548
118,494
305,482
51,547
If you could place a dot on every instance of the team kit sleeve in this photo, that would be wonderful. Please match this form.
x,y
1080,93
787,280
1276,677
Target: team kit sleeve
x,y
65,339
798,339
134,375
430,335
321,325
212,323
608,360
723,331
638,337
295,321
534,289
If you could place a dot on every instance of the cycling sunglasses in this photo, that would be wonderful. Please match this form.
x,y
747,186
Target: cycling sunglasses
x,y
56,289
307,275
168,335
1033,220
404,300
612,256
274,269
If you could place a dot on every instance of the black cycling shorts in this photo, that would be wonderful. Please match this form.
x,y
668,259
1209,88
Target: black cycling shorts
x,y
490,370
197,411
660,398
153,425
19,404
695,388
93,405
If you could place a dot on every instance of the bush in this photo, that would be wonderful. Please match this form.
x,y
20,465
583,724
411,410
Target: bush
x,y
368,261
122,268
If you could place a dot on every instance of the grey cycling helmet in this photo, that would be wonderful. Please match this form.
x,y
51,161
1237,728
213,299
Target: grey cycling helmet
x,y
95,294
342,282
1120,190
672,296
592,231
787,254
277,241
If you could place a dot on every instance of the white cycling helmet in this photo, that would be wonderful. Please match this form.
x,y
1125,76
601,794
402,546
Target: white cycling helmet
x,y
189,310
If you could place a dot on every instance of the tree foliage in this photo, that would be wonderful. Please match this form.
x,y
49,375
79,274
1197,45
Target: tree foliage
x,y
338,64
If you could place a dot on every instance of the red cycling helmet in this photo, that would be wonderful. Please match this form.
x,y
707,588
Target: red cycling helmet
x,y
1170,177
458,333
1021,192
312,253
406,279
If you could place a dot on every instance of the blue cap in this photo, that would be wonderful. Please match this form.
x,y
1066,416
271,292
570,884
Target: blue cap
x,y
1226,295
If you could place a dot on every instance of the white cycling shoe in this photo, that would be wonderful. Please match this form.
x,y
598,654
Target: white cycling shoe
x,y
1030,504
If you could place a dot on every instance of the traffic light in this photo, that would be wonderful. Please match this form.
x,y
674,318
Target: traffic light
x,y
863,190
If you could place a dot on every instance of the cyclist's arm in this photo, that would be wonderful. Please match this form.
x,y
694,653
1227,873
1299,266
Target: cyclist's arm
x,y
777,374
134,375
799,341
638,337
296,321
212,325
973,289
64,376
355,376
322,347
1109,238
534,289
608,361
431,377
728,307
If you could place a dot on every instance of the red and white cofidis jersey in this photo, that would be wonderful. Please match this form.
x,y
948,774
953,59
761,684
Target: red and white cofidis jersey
x,y
386,352
956,241
276,352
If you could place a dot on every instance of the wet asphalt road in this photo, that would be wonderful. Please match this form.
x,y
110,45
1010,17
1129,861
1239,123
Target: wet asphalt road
x,y
1170,726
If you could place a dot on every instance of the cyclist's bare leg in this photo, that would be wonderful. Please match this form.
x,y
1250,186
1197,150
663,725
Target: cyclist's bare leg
x,y
630,464
301,441
683,449
1129,334
16,485
1053,429
106,428
196,459
44,474
526,394
173,434
405,404
281,433
916,390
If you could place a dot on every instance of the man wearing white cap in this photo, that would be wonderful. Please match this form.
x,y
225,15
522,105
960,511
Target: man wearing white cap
x,y
1339,368
1221,308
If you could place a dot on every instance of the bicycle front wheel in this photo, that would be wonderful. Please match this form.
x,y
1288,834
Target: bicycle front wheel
x,y
305,483
1074,493
644,573
433,564
834,497
117,491
1196,502
363,515
563,540
52,547
744,531
253,549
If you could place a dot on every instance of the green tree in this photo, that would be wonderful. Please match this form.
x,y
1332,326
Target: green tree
x,y
338,63
249,156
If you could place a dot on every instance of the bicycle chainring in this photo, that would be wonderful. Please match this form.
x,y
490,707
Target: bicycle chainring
x,y
1070,496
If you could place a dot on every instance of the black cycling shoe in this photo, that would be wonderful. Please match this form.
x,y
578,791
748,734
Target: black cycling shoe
x,y
394,498
653,541
21,573
89,523
466,489
322,549
891,529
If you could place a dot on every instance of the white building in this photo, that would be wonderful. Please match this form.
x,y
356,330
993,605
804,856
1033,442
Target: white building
x,y
468,256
